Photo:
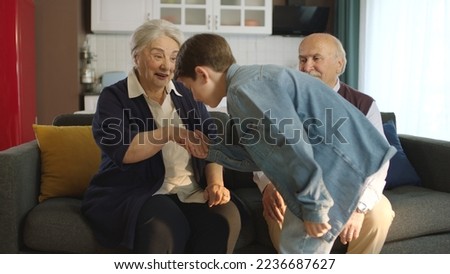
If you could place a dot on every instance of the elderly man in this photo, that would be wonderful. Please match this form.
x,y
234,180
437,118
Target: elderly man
x,y
322,55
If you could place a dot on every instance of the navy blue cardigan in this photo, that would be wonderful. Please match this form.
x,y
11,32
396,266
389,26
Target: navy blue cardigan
x,y
117,192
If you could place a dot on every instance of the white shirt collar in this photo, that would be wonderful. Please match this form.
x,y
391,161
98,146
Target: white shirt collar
x,y
337,86
135,89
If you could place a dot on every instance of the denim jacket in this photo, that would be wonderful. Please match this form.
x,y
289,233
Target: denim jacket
x,y
314,146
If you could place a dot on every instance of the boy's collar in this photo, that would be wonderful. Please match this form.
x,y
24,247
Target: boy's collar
x,y
232,70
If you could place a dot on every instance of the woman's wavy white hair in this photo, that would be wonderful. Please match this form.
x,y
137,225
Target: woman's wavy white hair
x,y
152,30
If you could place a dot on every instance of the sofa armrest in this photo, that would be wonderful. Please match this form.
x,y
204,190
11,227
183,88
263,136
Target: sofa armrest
x,y
430,158
19,188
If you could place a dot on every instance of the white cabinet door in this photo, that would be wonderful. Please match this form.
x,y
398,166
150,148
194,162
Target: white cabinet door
x,y
188,15
191,16
221,16
243,16
116,16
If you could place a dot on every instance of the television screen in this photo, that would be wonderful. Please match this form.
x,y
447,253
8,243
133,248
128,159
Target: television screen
x,y
299,20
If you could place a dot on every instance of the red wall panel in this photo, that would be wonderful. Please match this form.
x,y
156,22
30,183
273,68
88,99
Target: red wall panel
x,y
17,72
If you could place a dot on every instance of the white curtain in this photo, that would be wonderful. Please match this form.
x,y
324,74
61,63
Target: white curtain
x,y
405,62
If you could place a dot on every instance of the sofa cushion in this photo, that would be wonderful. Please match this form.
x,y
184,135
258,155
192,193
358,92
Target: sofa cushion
x,y
418,211
429,244
56,225
401,172
69,158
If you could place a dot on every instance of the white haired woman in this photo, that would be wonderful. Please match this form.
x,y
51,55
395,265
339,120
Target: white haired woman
x,y
151,195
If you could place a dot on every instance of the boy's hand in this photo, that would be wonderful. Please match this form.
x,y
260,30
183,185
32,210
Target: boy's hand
x,y
199,148
196,143
316,230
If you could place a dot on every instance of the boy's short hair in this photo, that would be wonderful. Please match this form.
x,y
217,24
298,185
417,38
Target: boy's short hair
x,y
204,49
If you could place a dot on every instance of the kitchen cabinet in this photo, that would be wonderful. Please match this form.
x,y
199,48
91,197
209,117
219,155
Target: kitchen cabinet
x,y
120,16
191,16
221,16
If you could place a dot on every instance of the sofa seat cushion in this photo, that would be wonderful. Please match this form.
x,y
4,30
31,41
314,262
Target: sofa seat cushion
x,y
418,211
57,226
430,244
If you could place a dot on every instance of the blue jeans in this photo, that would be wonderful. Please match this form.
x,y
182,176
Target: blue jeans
x,y
293,238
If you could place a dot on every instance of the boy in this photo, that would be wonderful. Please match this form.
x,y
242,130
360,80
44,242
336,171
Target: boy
x,y
316,148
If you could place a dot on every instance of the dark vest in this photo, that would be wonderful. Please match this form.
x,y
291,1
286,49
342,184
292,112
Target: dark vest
x,y
358,99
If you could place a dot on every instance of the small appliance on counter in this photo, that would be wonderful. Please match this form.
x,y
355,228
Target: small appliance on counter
x,y
112,77
91,96
87,71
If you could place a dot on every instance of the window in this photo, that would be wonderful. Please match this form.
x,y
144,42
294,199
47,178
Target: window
x,y
405,62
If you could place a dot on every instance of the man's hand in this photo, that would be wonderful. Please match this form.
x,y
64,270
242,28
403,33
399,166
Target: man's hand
x,y
352,228
273,204
274,207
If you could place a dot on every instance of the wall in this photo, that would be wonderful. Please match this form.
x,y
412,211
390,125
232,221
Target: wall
x,y
59,26
113,51
17,72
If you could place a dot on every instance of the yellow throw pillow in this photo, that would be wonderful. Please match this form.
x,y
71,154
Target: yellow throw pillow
x,y
69,159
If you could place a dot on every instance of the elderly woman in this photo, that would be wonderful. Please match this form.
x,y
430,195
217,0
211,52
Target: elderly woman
x,y
150,194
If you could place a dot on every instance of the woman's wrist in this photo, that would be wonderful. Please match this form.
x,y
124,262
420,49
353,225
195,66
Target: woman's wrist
x,y
215,184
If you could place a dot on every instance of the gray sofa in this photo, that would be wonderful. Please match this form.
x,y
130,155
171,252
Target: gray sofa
x,y
421,225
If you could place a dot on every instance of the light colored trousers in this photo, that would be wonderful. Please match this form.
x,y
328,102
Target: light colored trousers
x,y
372,236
